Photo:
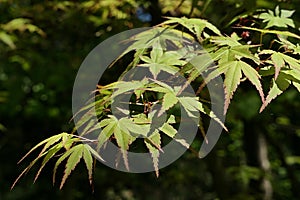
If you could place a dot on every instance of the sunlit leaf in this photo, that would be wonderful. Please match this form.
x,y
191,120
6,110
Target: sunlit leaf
x,y
279,59
169,100
47,157
276,19
88,159
278,87
233,71
153,144
168,130
124,139
51,146
106,133
194,25
73,160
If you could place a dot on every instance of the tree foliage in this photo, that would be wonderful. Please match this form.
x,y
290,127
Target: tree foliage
x,y
235,58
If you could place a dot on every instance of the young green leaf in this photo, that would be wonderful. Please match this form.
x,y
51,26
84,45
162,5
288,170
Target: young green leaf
x,y
231,41
278,86
88,159
169,100
47,157
279,59
233,74
162,61
276,19
278,63
51,146
47,141
157,35
106,133
194,25
126,86
168,130
123,140
283,81
73,160
153,144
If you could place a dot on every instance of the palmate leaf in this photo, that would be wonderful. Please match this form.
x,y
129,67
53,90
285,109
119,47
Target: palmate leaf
x,y
278,86
169,98
126,86
285,78
192,105
287,45
123,130
170,131
124,139
162,61
106,132
233,71
279,60
156,36
51,146
230,49
74,155
74,152
231,41
153,143
278,19
194,25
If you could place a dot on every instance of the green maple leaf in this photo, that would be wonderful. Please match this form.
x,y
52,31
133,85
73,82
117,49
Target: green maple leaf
x,y
279,60
229,49
194,25
74,152
169,98
233,71
162,61
279,19
231,41
227,53
285,78
153,143
287,45
125,132
157,35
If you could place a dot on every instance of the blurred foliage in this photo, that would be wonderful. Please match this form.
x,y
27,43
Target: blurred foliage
x,y
42,45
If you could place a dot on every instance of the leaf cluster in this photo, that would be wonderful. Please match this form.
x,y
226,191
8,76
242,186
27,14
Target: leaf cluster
x,y
173,48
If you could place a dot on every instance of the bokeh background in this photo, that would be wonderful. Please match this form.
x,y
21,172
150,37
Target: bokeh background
x,y
42,44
